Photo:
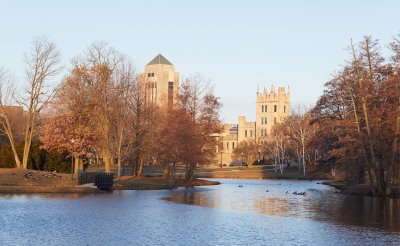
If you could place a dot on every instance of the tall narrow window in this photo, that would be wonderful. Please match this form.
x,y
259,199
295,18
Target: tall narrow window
x,y
275,108
262,132
265,108
262,120
251,133
170,93
265,121
274,120
284,109
262,108
233,145
245,133
227,145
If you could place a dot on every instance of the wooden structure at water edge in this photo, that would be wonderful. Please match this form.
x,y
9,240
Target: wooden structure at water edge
x,y
103,181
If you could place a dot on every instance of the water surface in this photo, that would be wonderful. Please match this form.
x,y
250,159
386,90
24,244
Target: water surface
x,y
260,212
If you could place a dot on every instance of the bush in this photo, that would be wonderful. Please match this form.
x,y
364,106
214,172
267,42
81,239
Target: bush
x,y
38,158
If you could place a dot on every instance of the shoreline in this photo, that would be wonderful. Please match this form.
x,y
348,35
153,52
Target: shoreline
x,y
358,189
12,189
34,181
156,183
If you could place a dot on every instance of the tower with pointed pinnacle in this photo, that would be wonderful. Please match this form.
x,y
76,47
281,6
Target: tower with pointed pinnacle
x,y
160,82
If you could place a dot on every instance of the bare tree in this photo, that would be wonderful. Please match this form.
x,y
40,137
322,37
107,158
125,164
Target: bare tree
x,y
300,132
42,63
7,115
125,85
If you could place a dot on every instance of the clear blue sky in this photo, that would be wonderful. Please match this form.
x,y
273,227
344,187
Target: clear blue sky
x,y
238,44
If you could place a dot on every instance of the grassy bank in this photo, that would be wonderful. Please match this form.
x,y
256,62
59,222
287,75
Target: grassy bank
x,y
154,183
30,181
250,173
14,180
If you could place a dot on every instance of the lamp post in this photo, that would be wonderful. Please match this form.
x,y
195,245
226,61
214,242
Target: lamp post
x,y
221,156
72,159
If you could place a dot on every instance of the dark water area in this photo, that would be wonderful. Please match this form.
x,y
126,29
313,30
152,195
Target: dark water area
x,y
237,212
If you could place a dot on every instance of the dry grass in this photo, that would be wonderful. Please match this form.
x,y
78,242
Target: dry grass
x,y
19,177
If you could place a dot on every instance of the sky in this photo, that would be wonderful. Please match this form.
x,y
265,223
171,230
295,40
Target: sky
x,y
236,44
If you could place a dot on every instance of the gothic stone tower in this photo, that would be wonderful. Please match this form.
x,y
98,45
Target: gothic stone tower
x,y
271,109
160,82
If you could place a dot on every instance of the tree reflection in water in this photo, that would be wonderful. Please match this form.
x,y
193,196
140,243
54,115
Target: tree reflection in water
x,y
320,202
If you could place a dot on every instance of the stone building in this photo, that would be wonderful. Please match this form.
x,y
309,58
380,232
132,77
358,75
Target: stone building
x,y
271,108
160,82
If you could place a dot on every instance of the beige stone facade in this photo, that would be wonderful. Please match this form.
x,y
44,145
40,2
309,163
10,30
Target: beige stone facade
x,y
271,108
160,82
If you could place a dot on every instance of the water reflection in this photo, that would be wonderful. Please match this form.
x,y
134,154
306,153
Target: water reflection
x,y
214,215
276,198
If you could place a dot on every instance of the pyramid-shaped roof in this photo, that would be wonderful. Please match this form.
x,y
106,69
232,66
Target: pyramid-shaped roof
x,y
159,59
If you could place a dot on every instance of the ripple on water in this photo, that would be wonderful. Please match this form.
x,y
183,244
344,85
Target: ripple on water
x,y
215,215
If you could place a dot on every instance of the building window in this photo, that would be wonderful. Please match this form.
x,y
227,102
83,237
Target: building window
x,y
170,85
284,109
265,121
245,133
265,133
251,133
150,75
262,132
262,120
274,120
233,145
275,107
262,108
227,145
265,107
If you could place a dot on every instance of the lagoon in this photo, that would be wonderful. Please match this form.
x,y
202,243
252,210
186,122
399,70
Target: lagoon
x,y
237,212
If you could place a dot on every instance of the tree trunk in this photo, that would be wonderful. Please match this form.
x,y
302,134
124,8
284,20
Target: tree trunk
x,y
166,171
171,179
16,158
119,166
106,158
189,177
140,168
304,163
27,147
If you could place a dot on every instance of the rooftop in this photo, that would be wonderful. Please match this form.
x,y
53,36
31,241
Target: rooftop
x,y
159,59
